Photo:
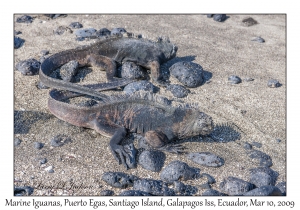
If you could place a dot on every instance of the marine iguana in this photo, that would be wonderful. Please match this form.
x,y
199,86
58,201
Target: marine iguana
x,y
105,54
145,113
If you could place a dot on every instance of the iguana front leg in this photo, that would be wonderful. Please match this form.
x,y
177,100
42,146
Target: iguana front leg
x,y
158,140
156,74
104,63
123,154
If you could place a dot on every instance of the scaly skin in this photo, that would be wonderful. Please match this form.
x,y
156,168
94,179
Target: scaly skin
x,y
106,54
142,112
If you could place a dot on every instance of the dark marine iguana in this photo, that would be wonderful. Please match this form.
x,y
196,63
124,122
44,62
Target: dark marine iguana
x,y
144,113
105,54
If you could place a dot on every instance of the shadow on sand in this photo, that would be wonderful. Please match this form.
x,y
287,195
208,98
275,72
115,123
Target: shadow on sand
x,y
23,120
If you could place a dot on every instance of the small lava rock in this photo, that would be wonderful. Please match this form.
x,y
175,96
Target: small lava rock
x,y
179,171
18,42
17,142
38,145
219,17
118,31
256,144
258,39
134,193
75,25
211,192
43,161
188,73
25,19
55,142
264,191
262,176
206,159
107,193
69,70
80,38
264,159
178,90
119,179
139,85
60,140
235,186
248,79
23,191
29,67
249,21
184,190
205,186
17,32
210,179
247,146
273,83
179,187
44,52
86,33
282,187
209,15
152,160
132,71
61,29
233,79
103,32
153,187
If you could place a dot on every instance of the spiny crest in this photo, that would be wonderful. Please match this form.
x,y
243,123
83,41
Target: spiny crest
x,y
139,95
192,105
132,35
159,39
144,38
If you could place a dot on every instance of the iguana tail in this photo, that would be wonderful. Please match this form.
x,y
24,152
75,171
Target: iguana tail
x,y
72,113
55,61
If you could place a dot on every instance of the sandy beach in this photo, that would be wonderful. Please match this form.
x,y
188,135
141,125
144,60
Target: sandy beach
x,y
221,48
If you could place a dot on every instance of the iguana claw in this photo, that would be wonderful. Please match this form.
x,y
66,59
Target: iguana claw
x,y
124,155
131,154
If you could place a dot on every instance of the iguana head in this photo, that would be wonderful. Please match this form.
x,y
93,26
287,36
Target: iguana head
x,y
195,123
168,49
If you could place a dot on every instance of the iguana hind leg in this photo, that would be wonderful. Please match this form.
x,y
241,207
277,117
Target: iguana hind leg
x,y
104,63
